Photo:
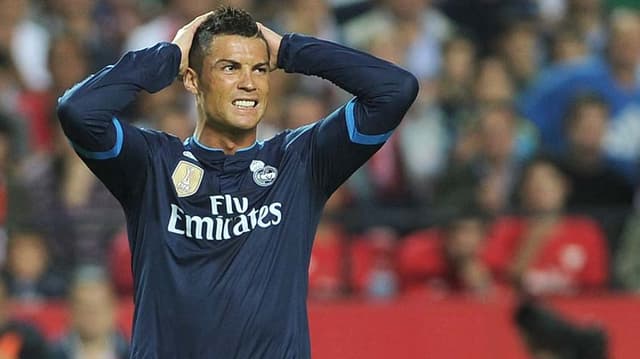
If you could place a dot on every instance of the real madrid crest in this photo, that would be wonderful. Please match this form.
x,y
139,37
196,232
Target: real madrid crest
x,y
263,175
187,178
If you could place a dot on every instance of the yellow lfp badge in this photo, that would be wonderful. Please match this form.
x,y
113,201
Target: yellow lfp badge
x,y
187,178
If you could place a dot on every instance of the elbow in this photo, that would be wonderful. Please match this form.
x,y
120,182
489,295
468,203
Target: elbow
x,y
408,89
69,108
65,110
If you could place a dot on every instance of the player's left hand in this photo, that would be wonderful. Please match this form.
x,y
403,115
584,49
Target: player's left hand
x,y
273,40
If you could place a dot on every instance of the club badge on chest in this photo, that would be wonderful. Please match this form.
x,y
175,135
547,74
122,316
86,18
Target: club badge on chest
x,y
263,175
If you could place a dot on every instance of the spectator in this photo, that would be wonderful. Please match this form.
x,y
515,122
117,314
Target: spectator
x,y
12,198
547,251
327,268
93,332
383,179
455,84
567,46
613,77
18,340
494,85
372,262
494,168
11,87
78,18
312,17
28,275
421,28
423,142
446,260
585,162
164,26
68,204
519,49
487,19
67,62
26,41
493,82
589,19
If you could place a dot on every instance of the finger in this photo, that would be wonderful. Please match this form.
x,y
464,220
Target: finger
x,y
199,20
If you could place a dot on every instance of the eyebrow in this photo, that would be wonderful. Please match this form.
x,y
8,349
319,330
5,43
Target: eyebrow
x,y
237,63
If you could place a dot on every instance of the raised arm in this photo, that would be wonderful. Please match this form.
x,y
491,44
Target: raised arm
x,y
348,137
90,111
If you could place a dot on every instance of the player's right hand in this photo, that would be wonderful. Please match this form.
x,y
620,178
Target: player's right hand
x,y
184,38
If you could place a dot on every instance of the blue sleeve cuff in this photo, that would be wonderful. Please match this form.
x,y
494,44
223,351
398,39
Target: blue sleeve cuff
x,y
357,137
108,154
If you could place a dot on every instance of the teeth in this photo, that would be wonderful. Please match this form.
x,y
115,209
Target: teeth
x,y
244,103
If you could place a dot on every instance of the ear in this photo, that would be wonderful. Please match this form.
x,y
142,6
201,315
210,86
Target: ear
x,y
190,81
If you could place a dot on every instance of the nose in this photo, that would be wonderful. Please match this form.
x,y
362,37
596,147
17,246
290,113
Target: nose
x,y
246,81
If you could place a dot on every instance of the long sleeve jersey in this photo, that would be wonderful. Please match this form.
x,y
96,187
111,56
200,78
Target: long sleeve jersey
x,y
221,243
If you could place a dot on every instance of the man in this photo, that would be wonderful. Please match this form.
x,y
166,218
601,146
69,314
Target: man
x,y
221,226
93,332
613,77
18,340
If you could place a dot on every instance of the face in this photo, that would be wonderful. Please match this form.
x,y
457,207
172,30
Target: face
x,y
568,46
520,50
588,129
92,306
464,238
232,90
498,134
625,41
459,60
28,257
544,188
494,84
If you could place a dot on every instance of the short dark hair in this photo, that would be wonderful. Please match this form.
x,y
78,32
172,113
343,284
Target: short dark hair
x,y
580,101
225,20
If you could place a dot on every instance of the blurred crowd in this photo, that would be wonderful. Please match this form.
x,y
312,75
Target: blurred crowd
x,y
516,169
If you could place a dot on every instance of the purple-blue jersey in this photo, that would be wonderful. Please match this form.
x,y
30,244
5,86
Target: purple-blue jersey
x,y
221,243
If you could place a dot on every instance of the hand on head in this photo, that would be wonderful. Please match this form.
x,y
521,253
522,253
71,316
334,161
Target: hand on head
x,y
273,40
184,38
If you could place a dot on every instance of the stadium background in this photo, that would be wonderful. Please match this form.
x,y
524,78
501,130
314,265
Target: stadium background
x,y
527,107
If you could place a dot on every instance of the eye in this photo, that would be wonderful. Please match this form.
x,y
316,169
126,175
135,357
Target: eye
x,y
262,69
228,68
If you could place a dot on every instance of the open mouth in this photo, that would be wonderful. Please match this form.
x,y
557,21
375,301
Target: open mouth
x,y
245,103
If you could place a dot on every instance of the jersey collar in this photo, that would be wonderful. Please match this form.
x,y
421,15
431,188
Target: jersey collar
x,y
206,154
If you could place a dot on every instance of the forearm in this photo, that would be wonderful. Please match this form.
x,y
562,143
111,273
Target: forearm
x,y
87,110
384,91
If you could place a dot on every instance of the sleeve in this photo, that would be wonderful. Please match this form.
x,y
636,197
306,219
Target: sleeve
x,y
383,92
89,112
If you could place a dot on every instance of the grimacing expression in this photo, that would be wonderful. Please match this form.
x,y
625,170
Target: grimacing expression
x,y
233,87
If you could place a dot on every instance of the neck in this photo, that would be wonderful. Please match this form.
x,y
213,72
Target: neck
x,y
228,142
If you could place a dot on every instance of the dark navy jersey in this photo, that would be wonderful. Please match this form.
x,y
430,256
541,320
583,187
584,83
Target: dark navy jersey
x,y
221,243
